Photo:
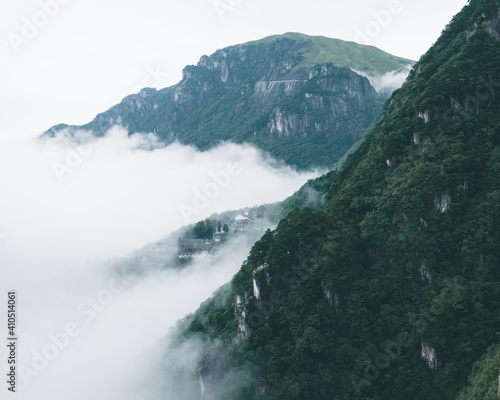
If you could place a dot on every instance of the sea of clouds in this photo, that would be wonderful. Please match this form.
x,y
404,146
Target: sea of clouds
x,y
69,208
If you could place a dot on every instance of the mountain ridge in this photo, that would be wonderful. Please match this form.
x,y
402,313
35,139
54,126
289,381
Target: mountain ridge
x,y
268,94
342,53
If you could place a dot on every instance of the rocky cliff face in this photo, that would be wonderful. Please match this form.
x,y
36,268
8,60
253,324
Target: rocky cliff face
x,y
266,93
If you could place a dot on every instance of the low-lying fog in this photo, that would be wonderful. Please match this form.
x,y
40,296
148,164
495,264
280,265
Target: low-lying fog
x,y
67,209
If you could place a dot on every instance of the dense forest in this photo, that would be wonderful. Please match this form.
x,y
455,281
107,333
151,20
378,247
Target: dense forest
x,y
389,286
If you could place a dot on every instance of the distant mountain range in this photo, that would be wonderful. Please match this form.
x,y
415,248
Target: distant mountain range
x,y
306,100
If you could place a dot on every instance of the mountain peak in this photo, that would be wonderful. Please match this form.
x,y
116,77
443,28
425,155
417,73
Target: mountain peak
x,y
304,99
321,50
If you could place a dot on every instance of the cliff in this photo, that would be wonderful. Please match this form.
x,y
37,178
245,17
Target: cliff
x,y
292,95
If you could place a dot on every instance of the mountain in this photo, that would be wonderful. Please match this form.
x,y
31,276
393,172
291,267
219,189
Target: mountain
x,y
306,100
389,286
317,50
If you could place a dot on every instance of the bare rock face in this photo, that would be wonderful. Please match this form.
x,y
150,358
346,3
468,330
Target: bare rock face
x,y
318,100
259,275
429,355
492,26
244,330
442,203
331,297
425,273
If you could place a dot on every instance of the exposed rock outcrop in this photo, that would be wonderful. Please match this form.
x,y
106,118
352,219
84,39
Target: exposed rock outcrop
x,y
429,355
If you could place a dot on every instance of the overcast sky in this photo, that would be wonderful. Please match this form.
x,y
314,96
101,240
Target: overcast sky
x,y
89,54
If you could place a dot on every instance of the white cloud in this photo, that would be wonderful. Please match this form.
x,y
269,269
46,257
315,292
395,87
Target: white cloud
x,y
387,83
118,197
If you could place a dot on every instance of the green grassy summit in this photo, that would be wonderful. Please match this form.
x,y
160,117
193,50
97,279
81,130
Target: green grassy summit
x,y
320,50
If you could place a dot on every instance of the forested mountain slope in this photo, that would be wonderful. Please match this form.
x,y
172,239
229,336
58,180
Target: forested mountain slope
x,y
389,288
